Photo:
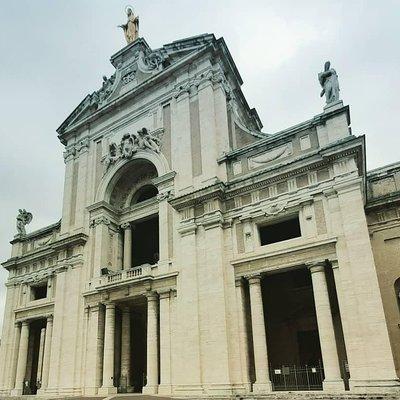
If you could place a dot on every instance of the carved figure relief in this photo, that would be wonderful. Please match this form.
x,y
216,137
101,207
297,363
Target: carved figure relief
x,y
131,143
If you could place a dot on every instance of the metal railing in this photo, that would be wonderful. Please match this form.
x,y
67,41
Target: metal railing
x,y
297,377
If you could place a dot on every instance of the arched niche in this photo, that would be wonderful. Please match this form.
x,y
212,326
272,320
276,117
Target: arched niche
x,y
130,181
140,169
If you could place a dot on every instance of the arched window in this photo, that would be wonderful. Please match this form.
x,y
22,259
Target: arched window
x,y
144,193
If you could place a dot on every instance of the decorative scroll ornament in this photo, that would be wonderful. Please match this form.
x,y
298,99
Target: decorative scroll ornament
x,y
98,221
275,209
23,218
215,77
167,195
75,149
131,143
151,60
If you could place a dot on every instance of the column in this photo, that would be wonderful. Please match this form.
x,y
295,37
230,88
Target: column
x,y
243,347
127,245
152,345
22,360
262,383
46,354
17,336
333,380
126,349
40,360
165,344
108,358
94,350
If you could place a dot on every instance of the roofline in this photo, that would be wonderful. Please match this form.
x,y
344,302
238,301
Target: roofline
x,y
272,137
213,44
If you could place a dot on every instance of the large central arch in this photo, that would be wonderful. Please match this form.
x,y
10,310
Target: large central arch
x,y
116,171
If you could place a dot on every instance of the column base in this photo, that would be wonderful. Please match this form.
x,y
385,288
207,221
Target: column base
x,y
16,392
164,389
375,386
90,391
262,387
104,390
150,389
333,386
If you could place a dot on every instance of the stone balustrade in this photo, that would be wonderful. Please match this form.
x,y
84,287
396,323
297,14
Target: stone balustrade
x,y
125,275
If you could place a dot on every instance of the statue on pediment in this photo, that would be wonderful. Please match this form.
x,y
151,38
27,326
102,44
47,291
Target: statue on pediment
x,y
330,83
23,218
131,28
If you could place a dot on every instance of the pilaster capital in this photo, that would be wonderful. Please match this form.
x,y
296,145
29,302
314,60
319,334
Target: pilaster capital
x,y
109,305
25,322
316,266
125,225
335,264
17,324
164,294
101,220
94,308
151,296
330,193
49,318
254,279
239,281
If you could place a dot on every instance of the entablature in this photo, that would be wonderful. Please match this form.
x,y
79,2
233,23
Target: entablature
x,y
285,255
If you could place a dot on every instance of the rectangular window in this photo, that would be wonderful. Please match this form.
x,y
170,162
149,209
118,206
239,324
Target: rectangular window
x,y
279,231
39,291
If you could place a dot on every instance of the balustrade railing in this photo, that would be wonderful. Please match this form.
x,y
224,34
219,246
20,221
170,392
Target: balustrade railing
x,y
123,275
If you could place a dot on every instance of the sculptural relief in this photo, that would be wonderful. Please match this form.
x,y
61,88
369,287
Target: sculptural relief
x,y
23,218
131,143
330,83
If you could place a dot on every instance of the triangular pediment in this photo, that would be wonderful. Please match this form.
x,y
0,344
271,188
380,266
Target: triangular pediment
x,y
134,64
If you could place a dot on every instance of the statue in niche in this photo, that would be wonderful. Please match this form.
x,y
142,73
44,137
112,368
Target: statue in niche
x,y
330,83
23,218
131,28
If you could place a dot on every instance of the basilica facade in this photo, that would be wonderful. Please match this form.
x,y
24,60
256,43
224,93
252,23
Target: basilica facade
x,y
197,255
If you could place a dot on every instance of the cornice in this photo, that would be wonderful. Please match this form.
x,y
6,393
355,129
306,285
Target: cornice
x,y
37,233
286,134
72,240
216,190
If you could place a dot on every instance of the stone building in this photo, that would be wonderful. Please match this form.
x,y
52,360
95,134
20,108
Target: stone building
x,y
198,255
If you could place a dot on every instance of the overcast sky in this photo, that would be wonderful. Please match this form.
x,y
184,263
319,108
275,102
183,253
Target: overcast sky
x,y
53,52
